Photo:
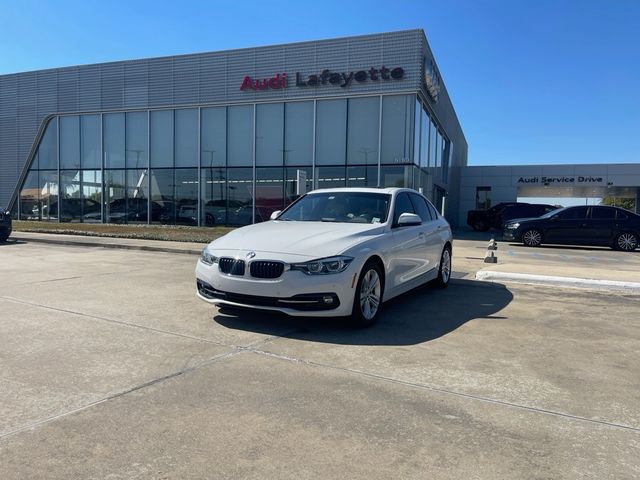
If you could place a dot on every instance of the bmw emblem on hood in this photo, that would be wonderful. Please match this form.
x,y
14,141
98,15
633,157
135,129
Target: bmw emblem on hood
x,y
251,254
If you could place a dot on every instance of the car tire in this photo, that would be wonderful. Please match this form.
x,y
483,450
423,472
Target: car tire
x,y
367,299
532,237
3,237
444,272
626,241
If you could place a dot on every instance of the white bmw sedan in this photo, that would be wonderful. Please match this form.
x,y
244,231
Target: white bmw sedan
x,y
336,252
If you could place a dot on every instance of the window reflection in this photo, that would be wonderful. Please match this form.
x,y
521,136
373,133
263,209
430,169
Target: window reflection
x,y
240,196
30,198
70,142
292,176
115,208
331,132
396,176
136,140
362,131
91,149
213,190
331,177
92,194
113,128
240,135
186,137
213,137
137,198
346,140
47,156
161,136
298,135
269,192
362,176
162,188
270,134
186,196
48,192
70,198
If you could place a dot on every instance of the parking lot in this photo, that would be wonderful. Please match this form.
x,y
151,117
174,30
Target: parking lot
x,y
110,367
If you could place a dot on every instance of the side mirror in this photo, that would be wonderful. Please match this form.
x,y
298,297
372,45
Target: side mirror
x,y
275,214
409,219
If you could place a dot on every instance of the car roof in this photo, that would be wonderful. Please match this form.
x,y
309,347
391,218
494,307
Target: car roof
x,y
389,190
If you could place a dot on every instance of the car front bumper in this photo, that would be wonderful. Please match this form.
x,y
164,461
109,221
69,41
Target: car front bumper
x,y
511,235
293,293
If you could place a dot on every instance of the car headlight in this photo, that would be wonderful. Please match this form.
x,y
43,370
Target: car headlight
x,y
323,266
513,226
207,258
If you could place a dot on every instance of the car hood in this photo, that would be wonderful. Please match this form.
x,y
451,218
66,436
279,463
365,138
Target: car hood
x,y
305,239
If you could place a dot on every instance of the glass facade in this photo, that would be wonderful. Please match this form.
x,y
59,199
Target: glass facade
x,y
230,165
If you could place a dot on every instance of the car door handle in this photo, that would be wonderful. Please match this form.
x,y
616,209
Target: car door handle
x,y
421,235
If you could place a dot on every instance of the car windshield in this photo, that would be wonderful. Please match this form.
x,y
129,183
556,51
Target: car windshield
x,y
553,212
343,207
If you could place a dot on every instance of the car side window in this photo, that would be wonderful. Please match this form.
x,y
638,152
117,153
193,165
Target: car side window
x,y
403,205
603,213
432,209
577,213
420,206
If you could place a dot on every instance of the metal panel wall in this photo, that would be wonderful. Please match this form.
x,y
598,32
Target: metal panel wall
x,y
201,79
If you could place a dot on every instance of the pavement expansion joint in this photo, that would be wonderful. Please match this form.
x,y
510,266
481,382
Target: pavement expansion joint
x,y
135,388
235,350
445,391
117,322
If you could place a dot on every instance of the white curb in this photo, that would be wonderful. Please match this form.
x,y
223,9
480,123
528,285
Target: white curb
x,y
549,280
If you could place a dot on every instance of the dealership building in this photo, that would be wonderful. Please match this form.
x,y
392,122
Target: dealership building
x,y
225,138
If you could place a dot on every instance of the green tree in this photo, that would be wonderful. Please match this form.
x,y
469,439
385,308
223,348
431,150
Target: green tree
x,y
627,203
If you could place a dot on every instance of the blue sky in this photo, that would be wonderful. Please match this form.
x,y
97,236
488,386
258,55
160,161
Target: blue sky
x,y
532,81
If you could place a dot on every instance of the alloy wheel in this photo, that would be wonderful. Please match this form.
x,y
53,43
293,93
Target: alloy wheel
x,y
627,242
532,238
445,269
370,290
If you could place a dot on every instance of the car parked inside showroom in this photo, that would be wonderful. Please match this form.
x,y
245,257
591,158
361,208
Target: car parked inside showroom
x,y
336,252
583,225
5,225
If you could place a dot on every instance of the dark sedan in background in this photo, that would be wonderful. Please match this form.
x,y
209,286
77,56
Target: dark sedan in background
x,y
5,225
589,225
496,216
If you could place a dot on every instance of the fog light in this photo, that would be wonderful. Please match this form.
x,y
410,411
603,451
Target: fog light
x,y
327,299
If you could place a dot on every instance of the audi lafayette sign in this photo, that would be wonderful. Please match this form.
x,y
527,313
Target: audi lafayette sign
x,y
326,76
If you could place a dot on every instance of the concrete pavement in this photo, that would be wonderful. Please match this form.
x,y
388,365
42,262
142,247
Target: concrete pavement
x,y
570,266
111,368
556,266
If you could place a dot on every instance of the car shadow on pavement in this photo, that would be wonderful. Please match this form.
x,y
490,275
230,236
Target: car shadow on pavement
x,y
10,242
575,248
419,316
